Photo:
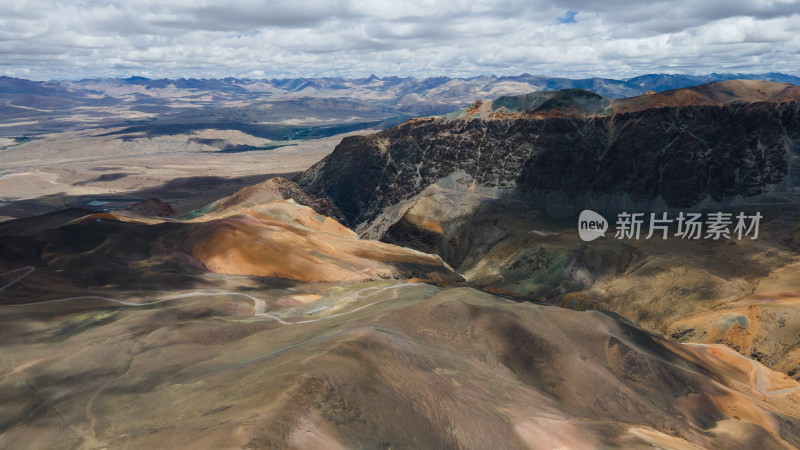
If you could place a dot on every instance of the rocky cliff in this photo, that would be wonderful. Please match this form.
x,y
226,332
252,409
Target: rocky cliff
x,y
680,156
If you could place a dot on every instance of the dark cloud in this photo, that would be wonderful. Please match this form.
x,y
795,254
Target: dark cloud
x,y
76,39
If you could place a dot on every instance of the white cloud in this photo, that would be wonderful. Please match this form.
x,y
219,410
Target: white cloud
x,y
619,38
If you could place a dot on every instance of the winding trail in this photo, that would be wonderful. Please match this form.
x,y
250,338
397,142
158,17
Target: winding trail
x,y
259,305
29,270
759,371
358,295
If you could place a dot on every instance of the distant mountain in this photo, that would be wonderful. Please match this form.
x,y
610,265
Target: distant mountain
x,y
418,96
47,95
9,85
663,82
403,97
285,110
583,103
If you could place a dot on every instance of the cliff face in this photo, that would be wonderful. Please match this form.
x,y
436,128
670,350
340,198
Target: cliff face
x,y
682,155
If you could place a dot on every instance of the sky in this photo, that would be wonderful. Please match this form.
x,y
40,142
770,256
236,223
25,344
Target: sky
x,y
75,39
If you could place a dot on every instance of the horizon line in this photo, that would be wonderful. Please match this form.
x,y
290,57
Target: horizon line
x,y
382,77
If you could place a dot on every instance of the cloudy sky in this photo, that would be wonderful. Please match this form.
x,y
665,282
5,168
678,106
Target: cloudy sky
x,y
250,38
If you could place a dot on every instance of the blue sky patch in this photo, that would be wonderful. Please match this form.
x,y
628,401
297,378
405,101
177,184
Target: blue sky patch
x,y
568,17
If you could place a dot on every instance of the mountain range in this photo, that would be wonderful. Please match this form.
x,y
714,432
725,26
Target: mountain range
x,y
420,286
416,96
496,189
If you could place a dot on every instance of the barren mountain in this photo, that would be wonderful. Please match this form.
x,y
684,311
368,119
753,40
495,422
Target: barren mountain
x,y
498,195
656,155
264,363
717,93
581,103
277,238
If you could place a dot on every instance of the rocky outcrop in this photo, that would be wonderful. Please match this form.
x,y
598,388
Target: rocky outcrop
x,y
676,156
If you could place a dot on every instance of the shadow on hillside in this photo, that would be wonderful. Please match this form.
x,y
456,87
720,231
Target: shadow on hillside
x,y
184,194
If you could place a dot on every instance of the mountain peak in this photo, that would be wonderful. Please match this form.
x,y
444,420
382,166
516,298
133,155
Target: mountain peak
x,y
574,102
713,93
